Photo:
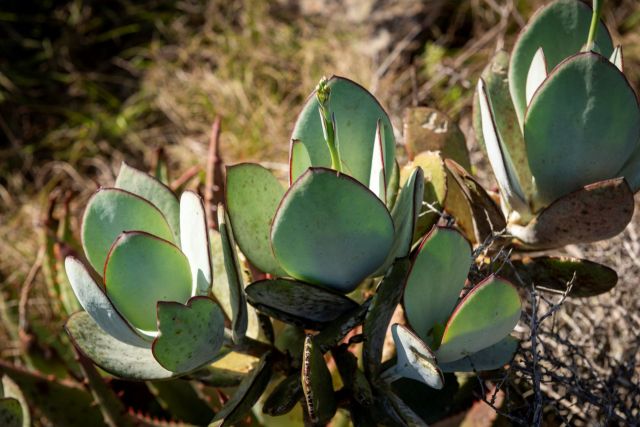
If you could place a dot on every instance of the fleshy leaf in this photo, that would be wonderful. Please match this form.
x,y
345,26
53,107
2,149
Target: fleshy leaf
x,y
596,212
485,316
490,358
378,178
317,385
195,242
140,271
394,185
435,189
246,395
111,211
331,230
299,160
429,404
505,119
603,112
617,58
405,215
356,112
190,335
235,282
554,273
252,196
487,216
536,75
415,358
498,155
435,281
93,299
298,303
114,356
427,129
379,315
151,189
284,396
560,29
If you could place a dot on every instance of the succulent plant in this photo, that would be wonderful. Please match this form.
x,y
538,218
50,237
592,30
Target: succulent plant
x,y
338,222
463,332
147,283
561,129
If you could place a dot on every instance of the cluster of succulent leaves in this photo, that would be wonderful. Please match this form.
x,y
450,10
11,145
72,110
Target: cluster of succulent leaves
x,y
560,125
356,252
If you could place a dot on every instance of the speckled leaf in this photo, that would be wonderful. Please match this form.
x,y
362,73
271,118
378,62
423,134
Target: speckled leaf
x,y
111,211
10,412
435,189
485,316
379,315
415,359
604,115
506,121
252,197
554,273
331,230
317,385
490,358
151,189
596,212
487,216
237,297
284,396
114,356
49,399
246,395
297,302
95,302
195,242
141,270
561,30
427,129
356,112
190,335
435,281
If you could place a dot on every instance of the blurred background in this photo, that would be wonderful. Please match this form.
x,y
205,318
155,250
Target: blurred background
x,y
85,85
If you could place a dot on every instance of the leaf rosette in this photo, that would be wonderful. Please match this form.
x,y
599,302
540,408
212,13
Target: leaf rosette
x,y
146,284
334,226
560,124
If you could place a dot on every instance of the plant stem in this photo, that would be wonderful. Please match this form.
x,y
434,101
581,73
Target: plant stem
x,y
392,374
323,92
595,19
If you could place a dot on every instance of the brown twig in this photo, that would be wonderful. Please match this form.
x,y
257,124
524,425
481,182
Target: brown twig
x,y
29,281
214,184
